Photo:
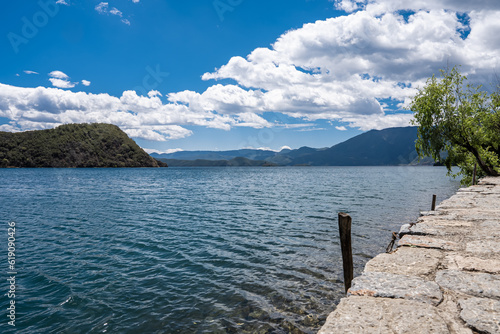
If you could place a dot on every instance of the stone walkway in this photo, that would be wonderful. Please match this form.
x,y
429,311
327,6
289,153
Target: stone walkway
x,y
444,277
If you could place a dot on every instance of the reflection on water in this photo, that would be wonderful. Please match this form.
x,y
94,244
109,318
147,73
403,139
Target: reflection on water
x,y
198,250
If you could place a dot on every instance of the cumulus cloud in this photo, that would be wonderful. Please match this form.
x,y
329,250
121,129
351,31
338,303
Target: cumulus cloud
x,y
85,82
59,75
341,128
360,69
61,83
377,7
62,2
60,79
168,151
144,117
349,6
344,68
30,72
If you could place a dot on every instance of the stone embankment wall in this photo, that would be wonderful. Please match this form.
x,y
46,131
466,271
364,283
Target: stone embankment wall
x,y
444,277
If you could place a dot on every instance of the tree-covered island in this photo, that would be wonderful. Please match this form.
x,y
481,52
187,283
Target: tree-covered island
x,y
73,145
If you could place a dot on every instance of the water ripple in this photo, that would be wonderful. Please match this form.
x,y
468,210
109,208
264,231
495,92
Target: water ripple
x,y
197,250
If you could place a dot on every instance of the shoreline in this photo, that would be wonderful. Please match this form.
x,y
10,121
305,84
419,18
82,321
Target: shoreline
x,y
444,276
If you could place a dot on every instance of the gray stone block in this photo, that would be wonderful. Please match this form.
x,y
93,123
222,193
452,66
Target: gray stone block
x,y
380,284
409,261
427,242
481,314
369,315
474,284
483,246
460,262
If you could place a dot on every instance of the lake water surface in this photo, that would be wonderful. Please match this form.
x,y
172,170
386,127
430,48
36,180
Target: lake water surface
x,y
196,250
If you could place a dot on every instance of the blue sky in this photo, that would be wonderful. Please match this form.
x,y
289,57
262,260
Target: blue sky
x,y
228,74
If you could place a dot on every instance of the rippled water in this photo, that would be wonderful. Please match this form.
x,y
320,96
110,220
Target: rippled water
x,y
196,250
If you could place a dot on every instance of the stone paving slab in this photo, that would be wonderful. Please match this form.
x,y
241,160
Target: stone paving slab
x,y
407,261
437,228
473,264
382,284
490,180
478,215
483,246
485,229
381,315
444,277
427,242
419,229
473,284
481,314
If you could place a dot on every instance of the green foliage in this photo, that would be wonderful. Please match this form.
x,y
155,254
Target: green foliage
x,y
73,145
459,119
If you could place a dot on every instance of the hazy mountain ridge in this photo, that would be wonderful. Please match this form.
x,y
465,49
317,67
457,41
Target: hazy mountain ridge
x,y
73,145
387,147
235,162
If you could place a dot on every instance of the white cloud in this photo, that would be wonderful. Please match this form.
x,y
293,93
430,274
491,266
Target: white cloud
x,y
135,1
346,68
85,82
60,79
349,6
10,127
61,83
311,129
115,11
62,2
153,93
341,128
139,116
382,6
284,148
30,72
59,75
360,69
258,148
168,151
102,7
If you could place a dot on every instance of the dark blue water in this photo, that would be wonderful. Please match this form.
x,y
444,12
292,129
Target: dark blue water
x,y
196,250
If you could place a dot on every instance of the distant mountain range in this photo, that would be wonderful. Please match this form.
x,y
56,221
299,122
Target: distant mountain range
x,y
392,146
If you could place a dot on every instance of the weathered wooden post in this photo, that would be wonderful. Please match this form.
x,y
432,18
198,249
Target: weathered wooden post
x,y
433,207
345,244
474,174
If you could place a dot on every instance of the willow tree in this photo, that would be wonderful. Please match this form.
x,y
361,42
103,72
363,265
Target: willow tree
x,y
458,124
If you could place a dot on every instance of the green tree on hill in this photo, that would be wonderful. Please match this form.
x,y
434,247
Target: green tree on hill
x,y
460,119
73,145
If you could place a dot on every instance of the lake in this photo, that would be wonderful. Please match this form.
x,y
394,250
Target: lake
x,y
196,250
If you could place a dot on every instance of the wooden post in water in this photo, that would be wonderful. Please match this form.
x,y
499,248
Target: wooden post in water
x,y
345,245
433,203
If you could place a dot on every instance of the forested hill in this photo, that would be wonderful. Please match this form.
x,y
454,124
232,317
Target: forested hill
x,y
73,145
